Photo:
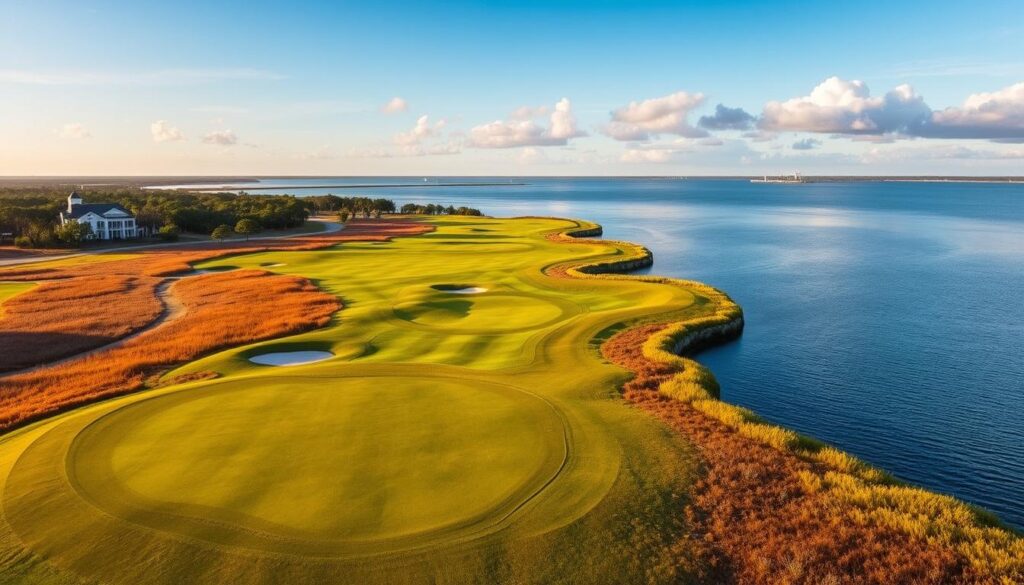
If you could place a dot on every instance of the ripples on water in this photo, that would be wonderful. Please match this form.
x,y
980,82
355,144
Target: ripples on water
x,y
886,318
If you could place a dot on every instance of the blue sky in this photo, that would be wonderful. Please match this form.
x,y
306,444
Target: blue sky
x,y
510,88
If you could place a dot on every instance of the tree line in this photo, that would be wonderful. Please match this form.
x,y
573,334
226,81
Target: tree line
x,y
367,207
31,214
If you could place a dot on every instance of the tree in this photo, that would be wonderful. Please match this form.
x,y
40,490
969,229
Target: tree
x,y
220,232
169,233
343,215
72,233
248,227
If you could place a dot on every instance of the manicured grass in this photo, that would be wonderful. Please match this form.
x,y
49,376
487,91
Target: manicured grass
x,y
452,438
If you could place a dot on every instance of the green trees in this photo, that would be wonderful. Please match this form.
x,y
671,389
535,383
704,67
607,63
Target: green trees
x,y
435,209
343,215
72,233
221,232
248,227
169,233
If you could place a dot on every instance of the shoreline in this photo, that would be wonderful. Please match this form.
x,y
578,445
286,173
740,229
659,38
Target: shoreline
x,y
983,542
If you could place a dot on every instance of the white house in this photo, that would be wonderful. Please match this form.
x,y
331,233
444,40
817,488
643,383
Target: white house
x,y
109,221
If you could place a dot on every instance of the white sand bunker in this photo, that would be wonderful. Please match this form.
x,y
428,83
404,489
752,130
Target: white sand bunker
x,y
472,290
277,265
291,358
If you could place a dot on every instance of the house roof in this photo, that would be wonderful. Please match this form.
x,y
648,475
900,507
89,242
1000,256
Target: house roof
x,y
101,209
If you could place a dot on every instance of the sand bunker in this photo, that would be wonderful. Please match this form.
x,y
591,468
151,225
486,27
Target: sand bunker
x,y
291,358
473,290
459,289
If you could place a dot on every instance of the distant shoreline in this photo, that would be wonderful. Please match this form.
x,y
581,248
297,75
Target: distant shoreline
x,y
199,187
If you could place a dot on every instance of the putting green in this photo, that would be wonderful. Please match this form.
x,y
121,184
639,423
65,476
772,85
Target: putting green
x,y
485,312
465,431
354,462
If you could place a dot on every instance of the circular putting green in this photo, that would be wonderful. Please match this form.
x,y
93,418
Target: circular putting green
x,y
480,311
324,466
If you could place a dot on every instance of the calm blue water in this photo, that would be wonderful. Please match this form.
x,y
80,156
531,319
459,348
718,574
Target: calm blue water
x,y
885,318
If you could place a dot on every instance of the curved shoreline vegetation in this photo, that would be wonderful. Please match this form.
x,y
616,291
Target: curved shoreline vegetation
x,y
503,436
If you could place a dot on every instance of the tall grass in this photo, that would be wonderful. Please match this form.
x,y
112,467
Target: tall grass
x,y
64,317
223,310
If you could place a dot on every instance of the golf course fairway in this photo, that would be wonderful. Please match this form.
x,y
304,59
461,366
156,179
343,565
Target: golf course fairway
x,y
463,428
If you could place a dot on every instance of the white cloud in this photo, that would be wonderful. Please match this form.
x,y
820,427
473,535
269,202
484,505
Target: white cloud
x,y
847,107
74,130
526,132
997,115
653,117
420,132
837,106
394,106
162,131
158,77
221,137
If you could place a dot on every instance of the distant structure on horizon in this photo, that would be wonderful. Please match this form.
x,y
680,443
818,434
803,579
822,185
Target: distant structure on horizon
x,y
794,178
106,221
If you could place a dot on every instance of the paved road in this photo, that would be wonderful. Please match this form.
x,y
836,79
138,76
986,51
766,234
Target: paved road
x,y
329,228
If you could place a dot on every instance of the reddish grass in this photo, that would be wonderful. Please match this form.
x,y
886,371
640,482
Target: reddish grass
x,y
752,520
223,310
81,307
60,318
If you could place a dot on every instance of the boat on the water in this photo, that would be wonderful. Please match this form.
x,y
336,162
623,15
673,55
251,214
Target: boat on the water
x,y
794,178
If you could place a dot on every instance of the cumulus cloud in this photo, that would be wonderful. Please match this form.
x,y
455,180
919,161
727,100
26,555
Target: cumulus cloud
x,y
664,115
527,132
394,106
421,131
221,137
806,144
162,131
997,115
838,106
74,130
727,119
